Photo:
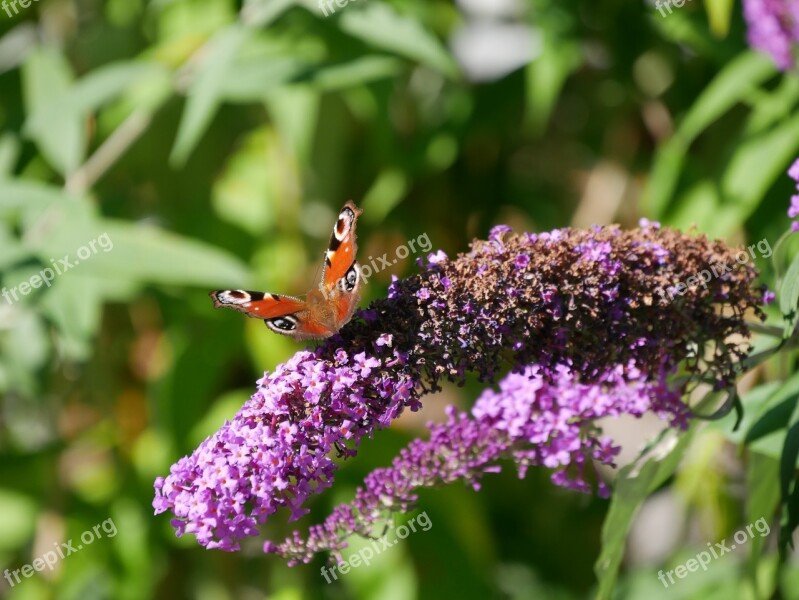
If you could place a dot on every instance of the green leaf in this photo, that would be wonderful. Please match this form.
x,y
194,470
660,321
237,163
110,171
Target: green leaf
x,y
789,484
74,305
775,419
204,95
247,192
351,74
753,169
262,13
9,153
295,113
26,344
381,26
776,412
789,289
545,77
697,206
31,202
790,518
736,81
106,83
719,13
59,134
223,408
683,30
634,485
665,175
64,227
385,193
769,108
763,495
11,249
62,116
252,80
18,514
149,254
732,85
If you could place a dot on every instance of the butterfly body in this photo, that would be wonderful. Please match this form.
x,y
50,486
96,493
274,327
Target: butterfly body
x,y
323,311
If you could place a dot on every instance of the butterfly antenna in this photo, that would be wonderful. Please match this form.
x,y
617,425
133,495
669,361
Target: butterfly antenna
x,y
317,275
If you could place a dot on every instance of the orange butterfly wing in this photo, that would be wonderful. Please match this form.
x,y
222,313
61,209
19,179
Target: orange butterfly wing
x,y
341,251
280,313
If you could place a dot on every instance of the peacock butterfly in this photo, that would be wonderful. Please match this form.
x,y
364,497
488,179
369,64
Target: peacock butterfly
x,y
323,311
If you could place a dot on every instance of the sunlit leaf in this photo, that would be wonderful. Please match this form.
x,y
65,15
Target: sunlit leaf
x,y
735,81
245,193
350,74
719,13
771,107
546,75
789,289
106,83
789,483
753,169
261,13
74,305
17,518
731,86
381,26
254,79
776,411
763,494
634,484
204,94
157,256
295,111
59,134
9,153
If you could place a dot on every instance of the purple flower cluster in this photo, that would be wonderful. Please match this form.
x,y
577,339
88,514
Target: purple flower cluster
x,y
773,28
581,306
532,420
793,210
275,452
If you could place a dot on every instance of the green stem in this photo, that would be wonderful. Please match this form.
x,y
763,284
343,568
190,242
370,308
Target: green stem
x,y
770,330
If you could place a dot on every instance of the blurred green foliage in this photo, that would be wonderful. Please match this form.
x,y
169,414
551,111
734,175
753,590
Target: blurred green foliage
x,y
213,142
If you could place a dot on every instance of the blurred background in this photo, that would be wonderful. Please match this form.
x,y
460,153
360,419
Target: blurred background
x,y
168,148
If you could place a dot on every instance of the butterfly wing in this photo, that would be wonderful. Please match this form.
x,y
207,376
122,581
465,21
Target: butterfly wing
x,y
282,314
340,254
342,278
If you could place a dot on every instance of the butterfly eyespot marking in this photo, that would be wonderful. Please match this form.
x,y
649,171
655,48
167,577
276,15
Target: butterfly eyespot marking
x,y
287,323
234,297
343,226
240,297
345,219
350,280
